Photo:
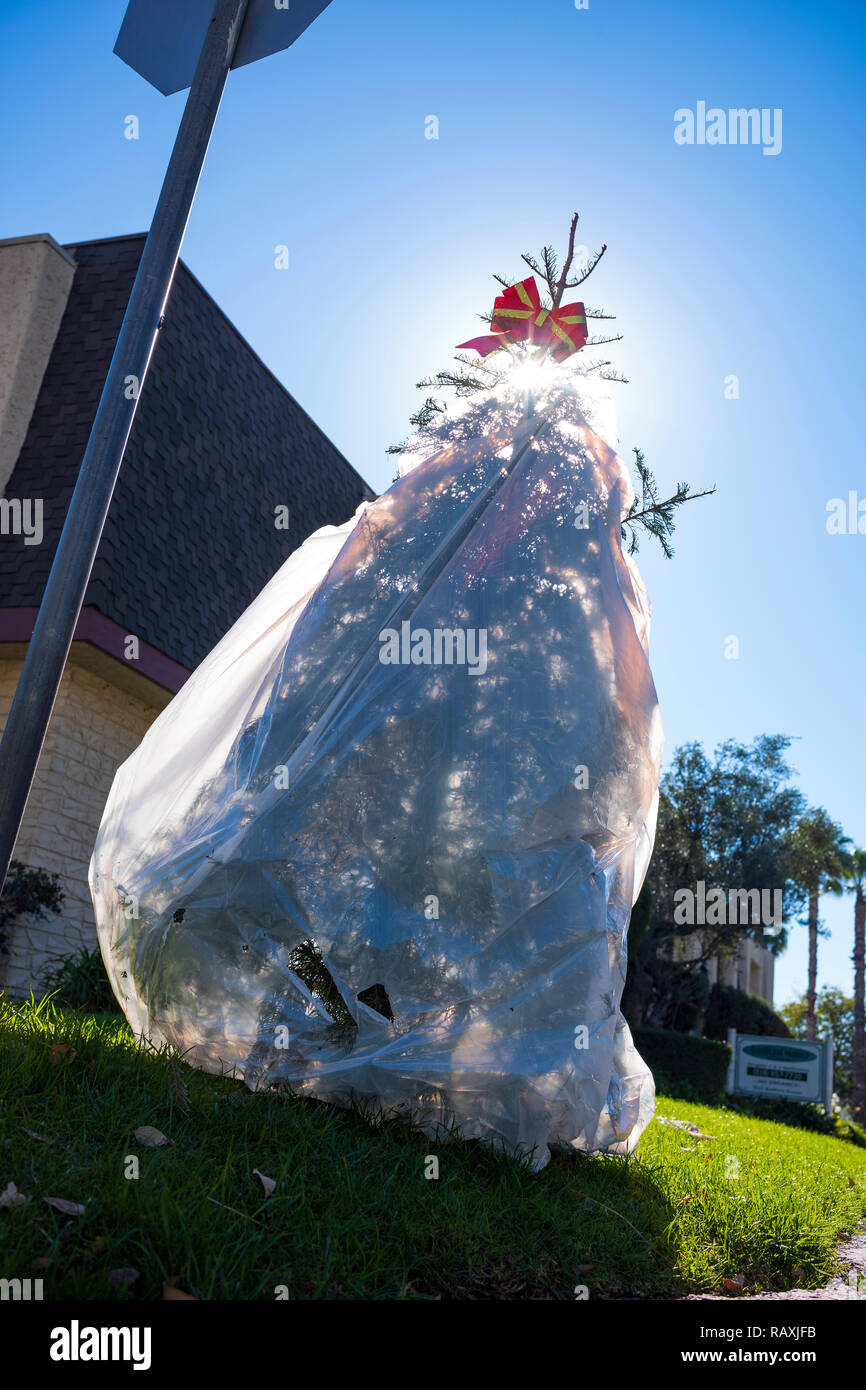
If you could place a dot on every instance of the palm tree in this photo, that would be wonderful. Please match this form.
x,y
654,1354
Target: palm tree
x,y
819,861
855,878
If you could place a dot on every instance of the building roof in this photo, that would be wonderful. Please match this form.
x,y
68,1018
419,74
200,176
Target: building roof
x,y
217,444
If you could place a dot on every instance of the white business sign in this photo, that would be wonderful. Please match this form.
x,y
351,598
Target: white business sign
x,y
787,1068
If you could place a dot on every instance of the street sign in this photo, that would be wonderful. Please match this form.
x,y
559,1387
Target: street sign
x,y
162,39
787,1068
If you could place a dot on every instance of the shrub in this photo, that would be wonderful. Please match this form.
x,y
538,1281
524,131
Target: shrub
x,y
685,1066
27,890
81,982
731,1008
834,1018
798,1114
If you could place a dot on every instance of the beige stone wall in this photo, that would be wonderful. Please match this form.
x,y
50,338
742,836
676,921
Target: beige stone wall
x,y
35,278
94,727
752,970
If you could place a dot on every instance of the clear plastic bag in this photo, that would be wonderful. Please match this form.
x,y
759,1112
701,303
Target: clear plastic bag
x,y
384,843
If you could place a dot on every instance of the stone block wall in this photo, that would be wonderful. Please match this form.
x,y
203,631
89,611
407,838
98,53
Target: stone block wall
x,y
94,727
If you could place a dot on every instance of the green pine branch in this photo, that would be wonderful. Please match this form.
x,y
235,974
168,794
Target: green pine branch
x,y
653,514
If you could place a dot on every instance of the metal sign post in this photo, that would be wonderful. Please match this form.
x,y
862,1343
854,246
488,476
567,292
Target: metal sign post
x,y
217,41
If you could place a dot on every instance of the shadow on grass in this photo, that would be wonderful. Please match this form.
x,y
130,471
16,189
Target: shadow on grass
x,y
352,1214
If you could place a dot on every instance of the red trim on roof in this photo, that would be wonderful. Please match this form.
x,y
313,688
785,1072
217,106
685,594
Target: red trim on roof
x,y
16,625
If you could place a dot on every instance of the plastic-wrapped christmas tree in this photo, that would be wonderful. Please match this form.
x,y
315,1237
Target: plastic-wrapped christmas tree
x,y
384,843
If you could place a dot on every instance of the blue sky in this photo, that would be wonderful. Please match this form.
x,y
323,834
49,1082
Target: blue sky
x,y
722,261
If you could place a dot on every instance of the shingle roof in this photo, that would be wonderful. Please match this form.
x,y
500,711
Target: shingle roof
x,y
216,445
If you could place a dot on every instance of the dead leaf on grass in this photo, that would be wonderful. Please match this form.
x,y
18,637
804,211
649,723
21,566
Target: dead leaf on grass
x,y
735,1285
63,1052
68,1208
41,1138
267,1183
683,1124
153,1138
11,1197
123,1277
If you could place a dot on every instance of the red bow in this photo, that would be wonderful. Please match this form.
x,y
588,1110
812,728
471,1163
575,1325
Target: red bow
x,y
518,316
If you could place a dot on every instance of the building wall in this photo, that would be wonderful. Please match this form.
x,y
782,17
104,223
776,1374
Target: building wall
x,y
35,276
752,970
96,724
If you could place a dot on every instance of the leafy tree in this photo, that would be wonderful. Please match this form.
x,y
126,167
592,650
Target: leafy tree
x,y
855,881
820,858
26,890
729,821
649,513
833,1013
733,1008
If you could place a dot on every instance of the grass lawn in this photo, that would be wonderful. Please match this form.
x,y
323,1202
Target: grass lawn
x,y
352,1214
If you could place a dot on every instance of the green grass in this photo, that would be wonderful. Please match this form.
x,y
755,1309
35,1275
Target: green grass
x,y
353,1216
